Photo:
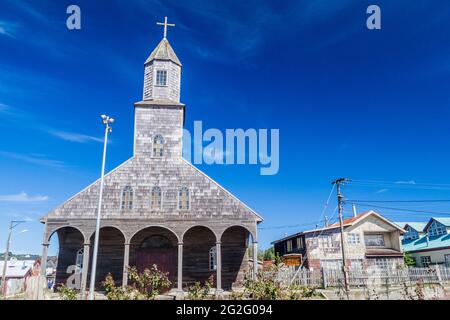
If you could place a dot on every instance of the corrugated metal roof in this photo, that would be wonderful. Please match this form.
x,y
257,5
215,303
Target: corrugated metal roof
x,y
426,243
444,221
418,226
16,268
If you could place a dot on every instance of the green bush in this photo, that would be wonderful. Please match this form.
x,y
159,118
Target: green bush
x,y
409,260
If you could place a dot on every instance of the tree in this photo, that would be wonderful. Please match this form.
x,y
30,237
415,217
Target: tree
x,y
269,254
409,260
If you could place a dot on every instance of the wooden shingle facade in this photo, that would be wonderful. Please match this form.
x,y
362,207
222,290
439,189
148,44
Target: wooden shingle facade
x,y
157,207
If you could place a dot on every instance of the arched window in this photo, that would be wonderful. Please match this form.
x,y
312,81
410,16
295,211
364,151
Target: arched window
x,y
127,198
213,258
156,242
158,146
155,199
79,259
183,199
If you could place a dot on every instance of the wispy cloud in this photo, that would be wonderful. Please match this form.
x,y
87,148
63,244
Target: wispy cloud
x,y
22,197
238,37
14,115
381,191
3,108
8,29
406,182
74,137
28,8
34,159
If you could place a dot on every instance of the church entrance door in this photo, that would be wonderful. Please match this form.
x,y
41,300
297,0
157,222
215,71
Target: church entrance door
x,y
158,250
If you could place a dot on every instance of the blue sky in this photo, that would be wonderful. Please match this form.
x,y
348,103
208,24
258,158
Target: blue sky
x,y
369,105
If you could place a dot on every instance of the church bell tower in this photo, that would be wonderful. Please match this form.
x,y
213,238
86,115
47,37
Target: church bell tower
x,y
162,77
159,116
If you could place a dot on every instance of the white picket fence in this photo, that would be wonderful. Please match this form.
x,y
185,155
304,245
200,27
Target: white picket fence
x,y
359,278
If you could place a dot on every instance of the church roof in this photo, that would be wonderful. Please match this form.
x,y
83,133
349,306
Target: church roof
x,y
163,51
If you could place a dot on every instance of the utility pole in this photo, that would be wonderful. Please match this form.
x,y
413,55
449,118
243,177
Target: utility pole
x,y
12,225
340,198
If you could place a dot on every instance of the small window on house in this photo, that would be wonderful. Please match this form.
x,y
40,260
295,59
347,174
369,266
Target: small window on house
x,y
326,241
289,246
447,260
384,263
436,229
411,234
183,199
356,264
300,243
333,264
374,240
155,199
353,239
127,198
425,261
79,258
213,259
158,146
161,77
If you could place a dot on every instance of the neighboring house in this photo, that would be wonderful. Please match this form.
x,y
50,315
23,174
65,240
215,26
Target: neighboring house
x,y
428,243
17,271
371,240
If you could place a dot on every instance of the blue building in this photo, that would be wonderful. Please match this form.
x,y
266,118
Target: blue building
x,y
428,243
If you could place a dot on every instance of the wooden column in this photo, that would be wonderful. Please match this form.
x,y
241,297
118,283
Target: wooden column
x,y
255,259
180,266
44,259
219,268
85,269
126,261
43,274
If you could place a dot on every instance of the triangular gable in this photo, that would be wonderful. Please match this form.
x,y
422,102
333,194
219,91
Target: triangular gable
x,y
417,226
444,221
379,216
360,217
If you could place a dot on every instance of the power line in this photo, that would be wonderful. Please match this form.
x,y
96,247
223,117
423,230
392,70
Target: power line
x,y
307,223
288,226
403,209
405,201
410,183
400,185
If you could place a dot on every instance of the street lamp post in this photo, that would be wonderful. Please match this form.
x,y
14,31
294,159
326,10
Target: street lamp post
x,y
107,121
12,225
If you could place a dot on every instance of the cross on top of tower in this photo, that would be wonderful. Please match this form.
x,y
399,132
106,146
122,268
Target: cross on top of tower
x,y
165,24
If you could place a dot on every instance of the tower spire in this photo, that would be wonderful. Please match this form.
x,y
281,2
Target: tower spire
x,y
165,24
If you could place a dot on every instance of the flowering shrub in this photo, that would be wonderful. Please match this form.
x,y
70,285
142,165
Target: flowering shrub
x,y
266,286
144,286
197,292
67,293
